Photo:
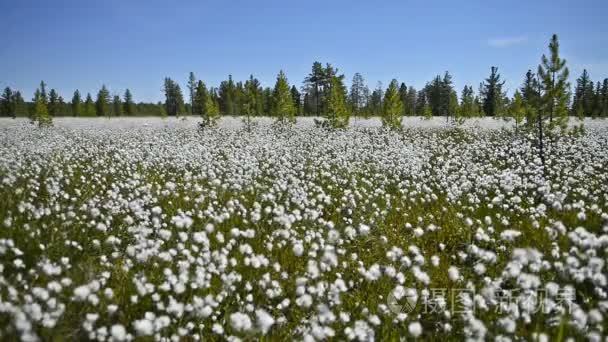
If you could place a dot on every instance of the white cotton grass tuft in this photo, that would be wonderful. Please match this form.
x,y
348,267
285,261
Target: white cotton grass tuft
x,y
264,321
228,232
240,321
415,329
453,273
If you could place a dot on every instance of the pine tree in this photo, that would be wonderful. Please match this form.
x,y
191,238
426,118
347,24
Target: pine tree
x,y
403,96
6,103
375,101
253,101
338,115
174,100
596,107
358,94
128,105
605,98
43,95
393,107
53,105
283,107
421,103
313,84
102,104
453,107
116,106
448,102
517,109
161,110
410,103
427,113
212,111
62,107
553,75
192,89
239,98
19,105
89,106
492,94
76,104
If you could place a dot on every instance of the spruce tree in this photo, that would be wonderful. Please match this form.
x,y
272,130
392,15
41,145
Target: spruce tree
x,y
467,102
338,114
89,106
434,91
200,97
283,108
492,94
128,105
267,100
227,97
531,97
76,104
375,101
393,106
116,106
583,96
102,104
295,95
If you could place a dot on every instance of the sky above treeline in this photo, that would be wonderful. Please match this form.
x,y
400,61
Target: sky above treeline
x,y
135,44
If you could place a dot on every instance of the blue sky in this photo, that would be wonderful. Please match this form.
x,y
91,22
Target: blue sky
x,y
134,44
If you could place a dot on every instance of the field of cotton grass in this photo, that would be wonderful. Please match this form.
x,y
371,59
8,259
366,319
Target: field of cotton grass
x,y
117,231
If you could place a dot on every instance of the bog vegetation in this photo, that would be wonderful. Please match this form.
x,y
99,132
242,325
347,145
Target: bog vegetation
x,y
282,232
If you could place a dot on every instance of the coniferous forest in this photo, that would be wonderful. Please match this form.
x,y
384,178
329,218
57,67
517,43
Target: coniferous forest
x,y
324,92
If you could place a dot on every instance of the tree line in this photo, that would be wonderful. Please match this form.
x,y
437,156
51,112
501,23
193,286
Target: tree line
x,y
323,93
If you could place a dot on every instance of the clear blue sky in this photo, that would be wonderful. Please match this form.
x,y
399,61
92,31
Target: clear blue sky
x,y
134,44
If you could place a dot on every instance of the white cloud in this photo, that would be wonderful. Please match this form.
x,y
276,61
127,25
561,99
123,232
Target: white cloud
x,y
507,41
